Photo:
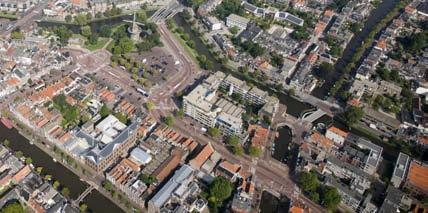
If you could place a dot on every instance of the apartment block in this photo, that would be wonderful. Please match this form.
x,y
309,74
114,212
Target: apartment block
x,y
400,169
234,20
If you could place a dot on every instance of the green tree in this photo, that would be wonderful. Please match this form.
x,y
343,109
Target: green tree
x,y
68,18
121,117
17,34
86,31
308,181
56,184
108,185
6,142
126,45
83,208
324,70
19,154
13,207
104,111
169,120
238,150
214,132
89,16
232,140
105,31
66,192
48,177
80,19
353,114
330,198
93,39
179,113
254,151
64,34
314,196
220,189
147,178
234,30
150,105
276,59
28,161
39,169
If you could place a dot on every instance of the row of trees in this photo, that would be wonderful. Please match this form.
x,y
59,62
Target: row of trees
x,y
367,43
85,18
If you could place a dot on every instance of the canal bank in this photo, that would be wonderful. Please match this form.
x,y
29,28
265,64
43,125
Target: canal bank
x,y
294,106
95,201
375,17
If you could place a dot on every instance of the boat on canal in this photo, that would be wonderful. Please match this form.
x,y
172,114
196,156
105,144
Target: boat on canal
x,y
7,123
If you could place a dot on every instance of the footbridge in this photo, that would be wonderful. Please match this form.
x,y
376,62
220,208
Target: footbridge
x,y
313,115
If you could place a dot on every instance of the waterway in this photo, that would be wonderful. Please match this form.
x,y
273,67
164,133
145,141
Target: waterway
x,y
282,143
294,106
271,204
375,17
95,201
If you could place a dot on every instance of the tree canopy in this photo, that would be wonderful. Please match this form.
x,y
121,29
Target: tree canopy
x,y
330,198
228,7
14,207
219,190
353,114
308,181
214,132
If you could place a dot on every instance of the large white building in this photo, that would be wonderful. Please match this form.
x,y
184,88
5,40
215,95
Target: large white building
x,y
204,104
237,21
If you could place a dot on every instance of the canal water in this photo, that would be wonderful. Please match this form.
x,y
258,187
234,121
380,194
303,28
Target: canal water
x,y
95,201
271,204
282,143
375,17
294,106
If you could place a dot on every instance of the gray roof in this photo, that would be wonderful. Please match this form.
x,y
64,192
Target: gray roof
x,y
401,165
100,152
163,195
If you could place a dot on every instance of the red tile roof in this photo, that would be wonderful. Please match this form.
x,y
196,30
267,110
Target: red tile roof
x,y
418,176
202,156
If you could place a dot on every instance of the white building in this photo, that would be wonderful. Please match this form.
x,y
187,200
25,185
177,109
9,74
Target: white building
x,y
237,21
338,136
212,23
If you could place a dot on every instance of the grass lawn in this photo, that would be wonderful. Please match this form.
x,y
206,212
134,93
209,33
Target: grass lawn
x,y
100,44
8,15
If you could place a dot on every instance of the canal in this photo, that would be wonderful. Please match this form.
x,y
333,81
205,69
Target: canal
x,y
374,18
95,201
294,106
282,142
271,204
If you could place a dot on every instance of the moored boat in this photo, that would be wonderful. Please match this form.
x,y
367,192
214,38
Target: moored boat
x,y
7,123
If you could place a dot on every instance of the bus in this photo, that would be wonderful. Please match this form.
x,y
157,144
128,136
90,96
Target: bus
x,y
143,92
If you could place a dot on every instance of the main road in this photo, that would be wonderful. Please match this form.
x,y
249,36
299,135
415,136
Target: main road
x,y
270,174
